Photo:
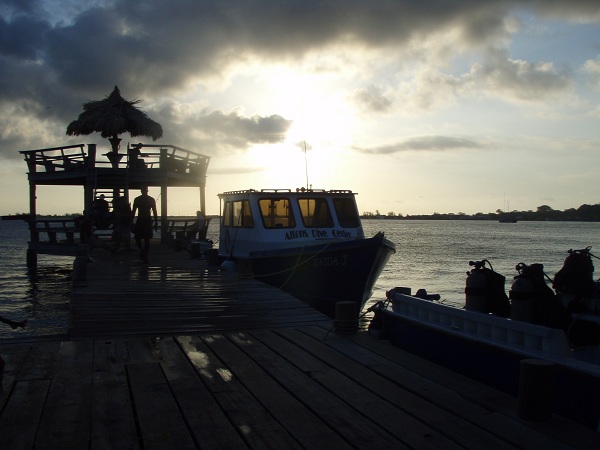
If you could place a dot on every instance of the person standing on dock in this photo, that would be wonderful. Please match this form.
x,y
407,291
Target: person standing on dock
x,y
122,216
145,206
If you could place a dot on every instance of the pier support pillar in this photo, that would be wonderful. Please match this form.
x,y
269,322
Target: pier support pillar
x,y
31,259
80,265
535,390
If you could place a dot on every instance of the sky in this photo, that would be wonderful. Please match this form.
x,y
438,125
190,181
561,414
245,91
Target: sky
x,y
419,106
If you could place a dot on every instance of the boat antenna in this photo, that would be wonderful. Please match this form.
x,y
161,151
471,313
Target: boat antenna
x,y
306,164
303,115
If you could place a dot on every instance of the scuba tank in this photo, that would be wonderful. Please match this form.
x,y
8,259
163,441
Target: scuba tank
x,y
533,301
574,282
522,296
484,290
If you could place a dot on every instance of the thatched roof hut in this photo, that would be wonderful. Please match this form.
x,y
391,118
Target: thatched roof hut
x,y
113,116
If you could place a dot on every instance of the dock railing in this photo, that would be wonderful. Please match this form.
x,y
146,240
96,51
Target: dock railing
x,y
57,229
70,157
169,157
138,156
182,232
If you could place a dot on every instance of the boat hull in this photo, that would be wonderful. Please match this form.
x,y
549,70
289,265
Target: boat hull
x,y
482,349
323,274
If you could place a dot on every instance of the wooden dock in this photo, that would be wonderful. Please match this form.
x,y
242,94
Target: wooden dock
x,y
176,294
174,375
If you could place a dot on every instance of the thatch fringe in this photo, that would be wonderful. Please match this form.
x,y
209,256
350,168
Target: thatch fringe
x,y
113,116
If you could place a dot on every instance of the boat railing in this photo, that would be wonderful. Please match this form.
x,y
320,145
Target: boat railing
x,y
509,333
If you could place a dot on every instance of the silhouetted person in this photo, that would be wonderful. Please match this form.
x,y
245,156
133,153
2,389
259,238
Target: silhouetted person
x,y
101,212
122,217
86,230
145,206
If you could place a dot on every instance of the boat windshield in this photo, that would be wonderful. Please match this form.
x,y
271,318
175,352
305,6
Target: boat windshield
x,y
315,212
346,211
276,213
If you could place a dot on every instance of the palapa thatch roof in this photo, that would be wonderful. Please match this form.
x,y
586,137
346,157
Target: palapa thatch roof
x,y
113,116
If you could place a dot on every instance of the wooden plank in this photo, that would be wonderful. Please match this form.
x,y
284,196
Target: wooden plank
x,y
486,424
113,422
208,424
161,424
250,418
20,416
299,421
557,433
66,419
178,296
14,357
372,397
40,362
348,422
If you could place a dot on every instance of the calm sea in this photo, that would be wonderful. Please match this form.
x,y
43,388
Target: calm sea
x,y
433,255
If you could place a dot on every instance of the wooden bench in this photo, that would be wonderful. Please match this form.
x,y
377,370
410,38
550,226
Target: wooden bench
x,y
53,227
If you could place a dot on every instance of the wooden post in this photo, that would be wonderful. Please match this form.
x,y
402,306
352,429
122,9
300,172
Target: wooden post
x,y
88,189
346,317
535,390
164,235
80,265
31,259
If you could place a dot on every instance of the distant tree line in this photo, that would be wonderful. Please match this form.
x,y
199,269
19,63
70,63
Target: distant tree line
x,y
585,213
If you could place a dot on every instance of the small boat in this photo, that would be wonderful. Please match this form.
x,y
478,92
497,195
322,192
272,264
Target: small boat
x,y
308,242
488,342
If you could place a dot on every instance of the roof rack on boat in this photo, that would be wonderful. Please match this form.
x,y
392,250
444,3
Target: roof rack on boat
x,y
298,190
341,191
244,191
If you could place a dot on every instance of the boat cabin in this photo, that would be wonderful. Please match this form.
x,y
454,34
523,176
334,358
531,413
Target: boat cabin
x,y
280,218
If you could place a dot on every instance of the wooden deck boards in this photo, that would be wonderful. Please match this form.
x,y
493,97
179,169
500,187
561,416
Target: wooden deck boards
x,y
180,356
295,387
175,294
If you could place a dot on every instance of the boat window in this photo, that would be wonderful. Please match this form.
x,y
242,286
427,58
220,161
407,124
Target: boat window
x,y
237,214
315,212
276,213
346,211
227,214
242,216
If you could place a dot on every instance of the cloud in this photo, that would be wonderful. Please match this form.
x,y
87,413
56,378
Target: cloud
x,y
592,68
501,76
372,99
52,63
218,132
423,143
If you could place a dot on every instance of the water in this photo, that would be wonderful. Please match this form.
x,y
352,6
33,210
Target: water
x,y
433,255
41,296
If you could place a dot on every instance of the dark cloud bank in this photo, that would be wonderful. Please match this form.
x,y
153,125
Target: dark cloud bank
x,y
156,50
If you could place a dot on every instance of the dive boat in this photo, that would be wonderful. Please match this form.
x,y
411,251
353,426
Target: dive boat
x,y
488,343
308,242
